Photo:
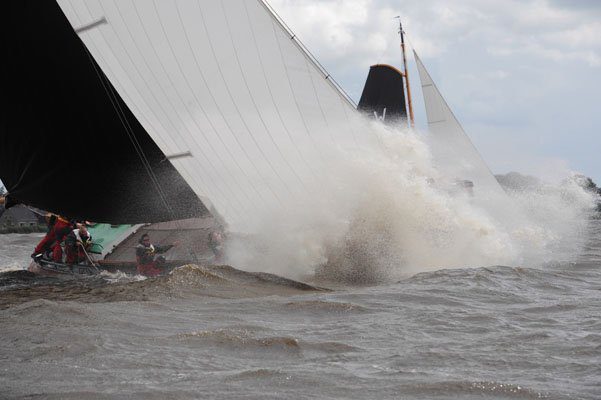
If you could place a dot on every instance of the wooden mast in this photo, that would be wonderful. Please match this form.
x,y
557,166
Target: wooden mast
x,y
406,74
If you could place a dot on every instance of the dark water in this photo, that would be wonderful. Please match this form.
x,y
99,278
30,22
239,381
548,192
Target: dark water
x,y
483,333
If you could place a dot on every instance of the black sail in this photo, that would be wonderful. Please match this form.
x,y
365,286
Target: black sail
x,y
384,95
66,136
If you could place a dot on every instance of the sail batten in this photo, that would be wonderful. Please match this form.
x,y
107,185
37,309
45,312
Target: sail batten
x,y
91,25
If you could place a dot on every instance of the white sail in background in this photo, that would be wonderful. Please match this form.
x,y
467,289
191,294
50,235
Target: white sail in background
x,y
452,150
223,88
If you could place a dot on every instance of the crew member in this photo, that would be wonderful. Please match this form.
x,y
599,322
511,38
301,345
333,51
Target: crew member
x,y
216,245
58,228
146,262
77,242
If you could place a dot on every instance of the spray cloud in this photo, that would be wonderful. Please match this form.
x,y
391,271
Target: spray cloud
x,y
381,209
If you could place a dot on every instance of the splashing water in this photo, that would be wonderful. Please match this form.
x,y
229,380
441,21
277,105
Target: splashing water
x,y
380,213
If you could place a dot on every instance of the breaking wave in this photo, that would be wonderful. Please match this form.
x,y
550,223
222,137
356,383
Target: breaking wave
x,y
384,211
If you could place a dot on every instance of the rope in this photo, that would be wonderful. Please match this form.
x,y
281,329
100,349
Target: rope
x,y
131,135
191,134
125,123
129,131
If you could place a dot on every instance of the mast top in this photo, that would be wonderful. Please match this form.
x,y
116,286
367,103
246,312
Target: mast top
x,y
406,74
401,33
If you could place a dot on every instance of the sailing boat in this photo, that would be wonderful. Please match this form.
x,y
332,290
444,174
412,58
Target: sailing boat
x,y
387,95
133,111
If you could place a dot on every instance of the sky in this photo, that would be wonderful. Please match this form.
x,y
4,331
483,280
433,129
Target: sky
x,y
523,77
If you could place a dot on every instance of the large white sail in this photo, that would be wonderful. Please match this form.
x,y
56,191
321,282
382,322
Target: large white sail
x,y
452,150
223,88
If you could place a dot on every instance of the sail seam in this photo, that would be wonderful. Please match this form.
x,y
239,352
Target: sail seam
x,y
292,91
284,125
193,94
160,62
131,135
176,114
346,100
275,16
491,175
323,114
128,129
209,91
237,109
255,104
139,73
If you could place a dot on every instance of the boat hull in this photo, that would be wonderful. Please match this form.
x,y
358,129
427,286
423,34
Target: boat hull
x,y
51,268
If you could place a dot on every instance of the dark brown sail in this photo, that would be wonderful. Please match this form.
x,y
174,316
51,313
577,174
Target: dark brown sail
x,y
383,96
68,142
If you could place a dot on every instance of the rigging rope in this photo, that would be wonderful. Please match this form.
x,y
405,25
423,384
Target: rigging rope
x,y
115,103
183,124
131,135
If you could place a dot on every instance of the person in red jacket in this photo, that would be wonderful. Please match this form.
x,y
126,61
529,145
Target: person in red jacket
x,y
77,242
146,263
58,228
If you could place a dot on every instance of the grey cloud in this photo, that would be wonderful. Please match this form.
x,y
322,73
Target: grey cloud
x,y
594,5
519,70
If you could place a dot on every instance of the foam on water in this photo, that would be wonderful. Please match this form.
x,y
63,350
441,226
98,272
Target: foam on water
x,y
15,249
215,332
383,210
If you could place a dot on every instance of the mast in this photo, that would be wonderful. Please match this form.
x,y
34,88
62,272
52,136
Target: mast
x,y
406,74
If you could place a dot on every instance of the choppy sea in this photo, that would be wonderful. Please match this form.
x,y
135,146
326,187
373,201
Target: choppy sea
x,y
493,332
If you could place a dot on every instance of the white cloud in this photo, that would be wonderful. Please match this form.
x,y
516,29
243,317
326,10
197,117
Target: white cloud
x,y
499,62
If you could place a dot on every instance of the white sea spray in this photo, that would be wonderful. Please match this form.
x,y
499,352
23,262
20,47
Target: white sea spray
x,y
380,209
